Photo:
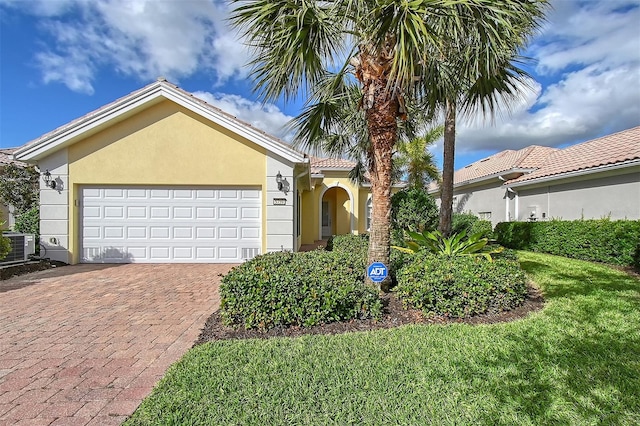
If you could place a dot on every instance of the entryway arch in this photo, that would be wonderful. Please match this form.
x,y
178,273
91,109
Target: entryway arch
x,y
336,212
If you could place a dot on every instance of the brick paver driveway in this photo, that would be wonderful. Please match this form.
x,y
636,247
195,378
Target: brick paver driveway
x,y
85,344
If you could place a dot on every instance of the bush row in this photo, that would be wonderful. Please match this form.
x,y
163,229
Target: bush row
x,y
302,289
600,240
461,286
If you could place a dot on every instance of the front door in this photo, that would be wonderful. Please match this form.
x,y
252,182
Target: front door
x,y
327,230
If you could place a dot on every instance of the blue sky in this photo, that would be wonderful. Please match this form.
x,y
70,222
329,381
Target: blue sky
x,y
60,59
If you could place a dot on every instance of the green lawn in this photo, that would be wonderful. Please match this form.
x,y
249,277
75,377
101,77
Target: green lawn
x,y
577,362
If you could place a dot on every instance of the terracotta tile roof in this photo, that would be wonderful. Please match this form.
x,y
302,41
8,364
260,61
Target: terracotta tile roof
x,y
528,158
537,161
612,149
6,157
318,164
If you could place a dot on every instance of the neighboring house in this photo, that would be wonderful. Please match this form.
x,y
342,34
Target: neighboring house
x,y
591,180
6,212
161,176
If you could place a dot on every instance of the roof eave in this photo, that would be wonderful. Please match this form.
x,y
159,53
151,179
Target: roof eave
x,y
68,133
575,173
493,176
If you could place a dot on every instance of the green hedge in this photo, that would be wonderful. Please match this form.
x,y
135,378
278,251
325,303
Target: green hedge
x,y
601,240
356,245
302,289
461,286
413,209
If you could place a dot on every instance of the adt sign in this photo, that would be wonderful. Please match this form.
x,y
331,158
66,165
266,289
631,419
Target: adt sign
x,y
377,272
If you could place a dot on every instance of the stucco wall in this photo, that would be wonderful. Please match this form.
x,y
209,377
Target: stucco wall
x,y
588,197
165,144
346,202
488,198
55,209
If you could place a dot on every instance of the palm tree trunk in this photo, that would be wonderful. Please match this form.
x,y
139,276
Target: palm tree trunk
x,y
446,189
381,123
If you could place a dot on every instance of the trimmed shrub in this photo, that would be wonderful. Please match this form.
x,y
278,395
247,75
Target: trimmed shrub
x,y
483,227
357,245
5,247
29,222
412,209
460,286
599,240
462,222
301,289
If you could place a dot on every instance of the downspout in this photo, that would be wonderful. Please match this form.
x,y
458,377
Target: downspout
x,y
506,202
516,194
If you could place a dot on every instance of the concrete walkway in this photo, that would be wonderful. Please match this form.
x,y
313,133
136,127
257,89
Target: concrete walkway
x,y
83,345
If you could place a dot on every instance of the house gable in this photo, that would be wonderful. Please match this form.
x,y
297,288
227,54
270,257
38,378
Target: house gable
x,y
132,104
167,144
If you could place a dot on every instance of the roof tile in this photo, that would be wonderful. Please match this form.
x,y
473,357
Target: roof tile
x,y
611,149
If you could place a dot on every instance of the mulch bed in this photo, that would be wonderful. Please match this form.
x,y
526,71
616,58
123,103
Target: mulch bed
x,y
394,315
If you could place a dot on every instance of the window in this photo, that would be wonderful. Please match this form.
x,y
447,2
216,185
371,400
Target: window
x,y
484,215
369,208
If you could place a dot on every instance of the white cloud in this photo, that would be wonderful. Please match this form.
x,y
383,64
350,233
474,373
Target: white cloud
x,y
589,58
582,33
140,38
267,117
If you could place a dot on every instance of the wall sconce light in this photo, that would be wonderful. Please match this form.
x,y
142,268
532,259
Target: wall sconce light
x,y
46,177
283,185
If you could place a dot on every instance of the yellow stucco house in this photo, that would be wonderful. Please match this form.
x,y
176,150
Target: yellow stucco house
x,y
161,176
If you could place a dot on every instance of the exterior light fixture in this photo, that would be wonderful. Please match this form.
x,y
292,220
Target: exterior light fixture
x,y
283,185
46,177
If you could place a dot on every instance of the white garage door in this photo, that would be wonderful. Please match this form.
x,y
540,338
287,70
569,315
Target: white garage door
x,y
170,224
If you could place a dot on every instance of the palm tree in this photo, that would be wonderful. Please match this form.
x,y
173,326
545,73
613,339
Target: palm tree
x,y
414,158
387,49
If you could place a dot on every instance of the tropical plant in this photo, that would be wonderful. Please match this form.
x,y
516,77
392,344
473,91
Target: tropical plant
x,y
414,158
5,243
455,245
29,222
394,54
413,209
477,73
19,187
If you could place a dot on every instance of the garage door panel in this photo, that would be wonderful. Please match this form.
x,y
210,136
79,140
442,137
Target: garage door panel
x,y
206,194
163,212
228,253
162,232
92,232
183,253
229,194
183,232
137,212
228,213
206,232
205,213
183,213
114,193
250,212
250,232
162,194
113,232
226,233
137,232
170,224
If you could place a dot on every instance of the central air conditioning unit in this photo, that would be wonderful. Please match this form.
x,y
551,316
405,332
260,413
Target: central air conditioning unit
x,y
22,246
